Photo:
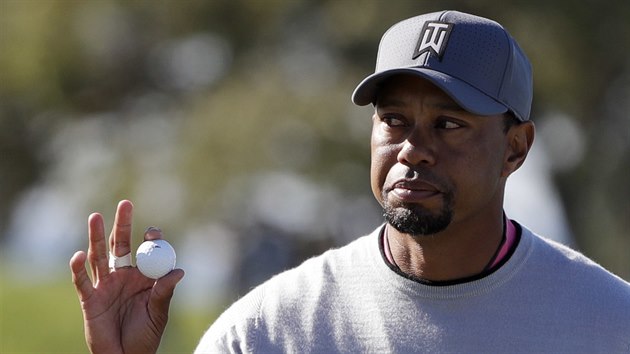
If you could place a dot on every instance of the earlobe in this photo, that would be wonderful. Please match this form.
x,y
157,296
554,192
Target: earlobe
x,y
520,139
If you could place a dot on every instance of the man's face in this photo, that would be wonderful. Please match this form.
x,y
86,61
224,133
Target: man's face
x,y
433,163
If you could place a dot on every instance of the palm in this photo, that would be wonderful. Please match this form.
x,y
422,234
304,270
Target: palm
x,y
118,308
123,311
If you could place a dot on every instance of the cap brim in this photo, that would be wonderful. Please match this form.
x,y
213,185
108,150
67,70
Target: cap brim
x,y
465,95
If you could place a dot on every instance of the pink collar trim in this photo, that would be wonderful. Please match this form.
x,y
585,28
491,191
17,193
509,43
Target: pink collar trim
x,y
506,245
510,239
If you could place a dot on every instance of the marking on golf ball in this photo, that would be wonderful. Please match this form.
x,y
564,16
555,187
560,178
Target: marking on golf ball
x,y
155,258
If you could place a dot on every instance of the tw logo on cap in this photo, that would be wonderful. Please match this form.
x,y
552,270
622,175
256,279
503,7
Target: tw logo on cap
x,y
433,38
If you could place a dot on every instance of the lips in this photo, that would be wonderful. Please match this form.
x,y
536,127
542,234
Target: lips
x,y
414,191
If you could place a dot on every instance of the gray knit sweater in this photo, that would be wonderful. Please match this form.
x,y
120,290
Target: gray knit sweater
x,y
545,298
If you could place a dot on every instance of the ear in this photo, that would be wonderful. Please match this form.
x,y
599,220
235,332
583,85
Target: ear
x,y
520,138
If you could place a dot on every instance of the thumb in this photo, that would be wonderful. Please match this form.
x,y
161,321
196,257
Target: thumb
x,y
162,293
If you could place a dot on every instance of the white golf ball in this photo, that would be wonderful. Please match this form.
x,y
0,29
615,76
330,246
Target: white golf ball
x,y
155,258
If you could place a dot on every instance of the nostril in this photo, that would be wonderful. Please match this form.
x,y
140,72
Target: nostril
x,y
415,154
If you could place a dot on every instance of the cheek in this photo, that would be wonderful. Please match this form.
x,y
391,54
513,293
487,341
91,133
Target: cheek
x,y
480,155
477,173
381,163
377,176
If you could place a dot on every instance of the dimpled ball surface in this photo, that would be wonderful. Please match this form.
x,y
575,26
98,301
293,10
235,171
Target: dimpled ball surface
x,y
155,258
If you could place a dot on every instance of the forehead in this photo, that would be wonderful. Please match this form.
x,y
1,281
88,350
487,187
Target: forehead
x,y
406,89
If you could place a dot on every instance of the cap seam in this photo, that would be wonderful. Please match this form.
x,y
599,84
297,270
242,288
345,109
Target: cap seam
x,y
505,69
441,19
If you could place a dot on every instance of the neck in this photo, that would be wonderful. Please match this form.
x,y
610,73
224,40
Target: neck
x,y
460,251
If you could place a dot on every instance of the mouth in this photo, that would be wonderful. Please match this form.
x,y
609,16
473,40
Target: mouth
x,y
413,191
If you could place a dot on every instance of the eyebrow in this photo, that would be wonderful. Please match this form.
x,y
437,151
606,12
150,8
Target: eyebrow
x,y
449,106
389,102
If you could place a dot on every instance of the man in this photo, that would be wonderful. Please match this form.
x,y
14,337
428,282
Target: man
x,y
446,272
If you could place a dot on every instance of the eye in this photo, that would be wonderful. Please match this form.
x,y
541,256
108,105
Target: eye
x,y
447,123
393,120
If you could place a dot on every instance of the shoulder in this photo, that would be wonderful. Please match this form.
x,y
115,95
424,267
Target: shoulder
x,y
573,264
568,272
567,290
234,330
283,301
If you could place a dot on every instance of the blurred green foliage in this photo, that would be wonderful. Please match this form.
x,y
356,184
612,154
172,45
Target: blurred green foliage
x,y
41,318
278,100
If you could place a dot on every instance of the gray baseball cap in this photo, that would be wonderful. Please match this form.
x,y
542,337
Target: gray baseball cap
x,y
473,59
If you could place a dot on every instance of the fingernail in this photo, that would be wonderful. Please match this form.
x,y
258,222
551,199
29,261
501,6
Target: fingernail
x,y
152,232
152,228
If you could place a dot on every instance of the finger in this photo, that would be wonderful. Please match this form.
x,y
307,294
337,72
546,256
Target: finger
x,y
80,278
152,233
162,293
97,250
120,238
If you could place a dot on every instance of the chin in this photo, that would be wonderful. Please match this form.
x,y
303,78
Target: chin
x,y
417,220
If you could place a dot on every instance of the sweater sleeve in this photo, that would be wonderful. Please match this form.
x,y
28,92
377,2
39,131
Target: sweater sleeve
x,y
236,330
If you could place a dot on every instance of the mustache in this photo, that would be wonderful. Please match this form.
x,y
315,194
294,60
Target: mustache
x,y
417,174
421,174
414,174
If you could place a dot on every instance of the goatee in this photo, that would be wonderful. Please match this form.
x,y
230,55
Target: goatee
x,y
416,220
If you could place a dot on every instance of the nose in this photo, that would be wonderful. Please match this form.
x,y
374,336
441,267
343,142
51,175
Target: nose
x,y
416,152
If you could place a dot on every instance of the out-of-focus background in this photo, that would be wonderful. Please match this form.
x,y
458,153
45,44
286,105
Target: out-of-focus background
x,y
229,125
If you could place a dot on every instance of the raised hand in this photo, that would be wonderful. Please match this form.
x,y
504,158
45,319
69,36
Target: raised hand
x,y
123,311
